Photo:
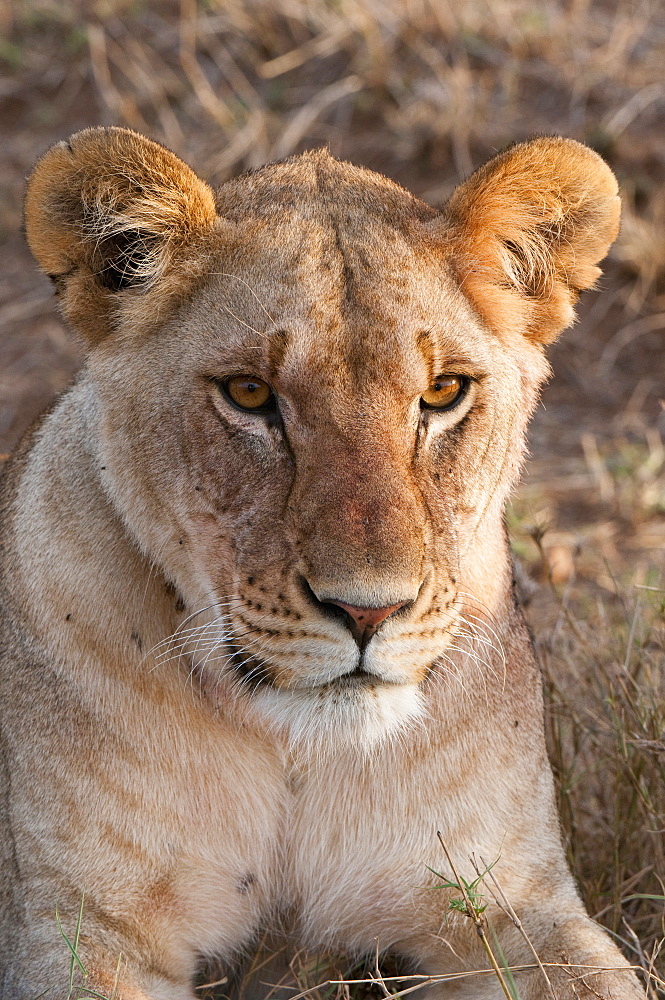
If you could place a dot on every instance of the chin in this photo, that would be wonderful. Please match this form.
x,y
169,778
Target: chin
x,y
336,716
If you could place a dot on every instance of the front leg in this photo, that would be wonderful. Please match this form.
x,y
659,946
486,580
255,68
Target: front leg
x,y
575,951
39,966
378,892
567,957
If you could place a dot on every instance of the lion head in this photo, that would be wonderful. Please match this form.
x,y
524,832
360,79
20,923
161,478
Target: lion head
x,y
307,395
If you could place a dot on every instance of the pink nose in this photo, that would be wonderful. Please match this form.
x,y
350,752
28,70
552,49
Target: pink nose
x,y
367,617
366,620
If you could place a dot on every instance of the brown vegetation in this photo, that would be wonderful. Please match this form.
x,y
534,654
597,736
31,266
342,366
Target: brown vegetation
x,y
424,90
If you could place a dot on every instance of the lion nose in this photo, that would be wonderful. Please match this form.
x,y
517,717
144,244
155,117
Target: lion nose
x,y
365,621
368,617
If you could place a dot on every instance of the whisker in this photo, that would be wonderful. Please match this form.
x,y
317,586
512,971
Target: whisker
x,y
451,671
169,641
478,660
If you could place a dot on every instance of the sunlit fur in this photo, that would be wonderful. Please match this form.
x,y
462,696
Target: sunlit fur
x,y
193,740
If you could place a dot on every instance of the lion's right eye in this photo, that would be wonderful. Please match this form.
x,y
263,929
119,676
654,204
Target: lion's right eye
x,y
445,393
249,393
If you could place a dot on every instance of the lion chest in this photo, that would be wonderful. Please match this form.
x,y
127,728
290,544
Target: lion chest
x,y
358,841
362,837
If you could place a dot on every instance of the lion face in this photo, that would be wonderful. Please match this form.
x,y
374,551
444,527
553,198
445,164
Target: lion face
x,y
345,488
310,412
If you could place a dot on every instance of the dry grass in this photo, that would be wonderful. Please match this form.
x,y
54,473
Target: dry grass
x,y
424,90
232,84
603,655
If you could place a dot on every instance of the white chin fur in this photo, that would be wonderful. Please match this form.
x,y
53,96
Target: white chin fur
x,y
332,718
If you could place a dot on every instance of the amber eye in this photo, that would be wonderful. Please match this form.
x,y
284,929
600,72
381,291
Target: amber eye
x,y
249,393
445,392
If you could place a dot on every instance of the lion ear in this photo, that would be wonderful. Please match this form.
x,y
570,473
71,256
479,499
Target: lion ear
x,y
527,231
109,211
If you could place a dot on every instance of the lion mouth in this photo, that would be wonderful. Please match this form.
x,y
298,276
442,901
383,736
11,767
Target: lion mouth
x,y
358,678
256,673
357,708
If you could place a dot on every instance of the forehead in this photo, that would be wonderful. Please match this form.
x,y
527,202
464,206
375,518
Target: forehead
x,y
313,184
332,259
326,226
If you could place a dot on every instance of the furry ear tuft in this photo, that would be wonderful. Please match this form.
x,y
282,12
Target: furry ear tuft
x,y
527,231
111,210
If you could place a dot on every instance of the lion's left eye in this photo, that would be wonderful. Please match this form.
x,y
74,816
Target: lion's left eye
x,y
445,393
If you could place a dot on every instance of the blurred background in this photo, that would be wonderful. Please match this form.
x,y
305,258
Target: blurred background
x,y
424,91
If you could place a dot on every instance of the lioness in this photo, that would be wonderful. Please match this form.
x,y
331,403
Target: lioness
x,y
259,639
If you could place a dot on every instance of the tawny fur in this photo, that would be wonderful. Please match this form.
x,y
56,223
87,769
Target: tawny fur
x,y
187,743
